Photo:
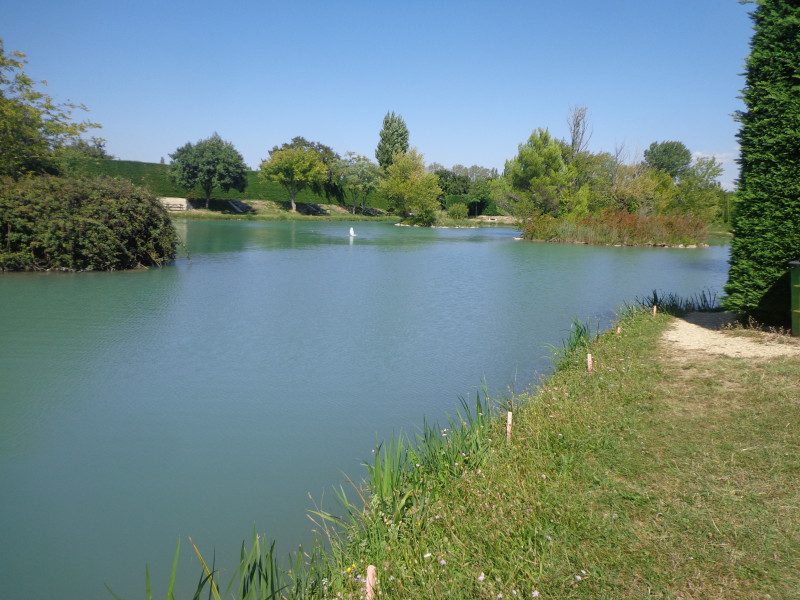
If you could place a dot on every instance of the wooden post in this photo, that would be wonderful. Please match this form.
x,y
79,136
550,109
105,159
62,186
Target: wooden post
x,y
589,363
509,419
619,330
655,310
371,575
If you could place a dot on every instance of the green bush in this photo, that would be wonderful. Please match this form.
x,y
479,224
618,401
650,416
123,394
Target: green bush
x,y
82,225
458,211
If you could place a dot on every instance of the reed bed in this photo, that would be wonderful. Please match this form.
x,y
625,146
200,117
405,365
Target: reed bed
x,y
617,228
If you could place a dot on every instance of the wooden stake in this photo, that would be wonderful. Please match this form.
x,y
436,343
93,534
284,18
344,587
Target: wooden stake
x,y
371,576
655,310
619,330
509,419
589,363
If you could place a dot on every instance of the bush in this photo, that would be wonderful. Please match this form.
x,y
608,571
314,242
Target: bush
x,y
458,211
82,225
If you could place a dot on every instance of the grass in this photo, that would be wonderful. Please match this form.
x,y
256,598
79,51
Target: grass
x,y
662,474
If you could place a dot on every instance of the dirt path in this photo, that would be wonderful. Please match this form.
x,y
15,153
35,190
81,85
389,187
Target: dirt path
x,y
716,333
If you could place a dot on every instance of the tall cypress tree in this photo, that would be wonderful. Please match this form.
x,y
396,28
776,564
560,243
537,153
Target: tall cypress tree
x,y
394,138
766,224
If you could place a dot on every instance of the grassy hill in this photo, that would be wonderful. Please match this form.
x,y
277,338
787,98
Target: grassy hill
x,y
155,177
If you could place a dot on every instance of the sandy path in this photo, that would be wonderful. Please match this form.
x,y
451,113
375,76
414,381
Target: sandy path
x,y
702,332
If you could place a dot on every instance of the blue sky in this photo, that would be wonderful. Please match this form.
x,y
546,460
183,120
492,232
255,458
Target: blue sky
x,y
471,79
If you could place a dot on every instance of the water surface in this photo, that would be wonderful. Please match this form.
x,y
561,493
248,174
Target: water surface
x,y
208,396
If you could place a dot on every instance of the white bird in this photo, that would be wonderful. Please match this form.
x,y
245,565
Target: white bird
x,y
352,233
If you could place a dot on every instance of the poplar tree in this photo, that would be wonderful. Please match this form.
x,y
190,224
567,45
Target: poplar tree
x,y
394,139
766,225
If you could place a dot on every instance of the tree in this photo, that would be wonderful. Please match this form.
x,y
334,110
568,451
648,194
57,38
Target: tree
x,y
32,125
94,148
294,169
539,177
673,158
360,176
766,226
209,164
331,186
394,139
578,123
453,184
410,189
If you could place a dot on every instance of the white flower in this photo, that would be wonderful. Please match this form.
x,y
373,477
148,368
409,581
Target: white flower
x,y
577,577
481,577
535,594
428,555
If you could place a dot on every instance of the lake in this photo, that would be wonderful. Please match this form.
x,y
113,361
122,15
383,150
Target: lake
x,y
219,392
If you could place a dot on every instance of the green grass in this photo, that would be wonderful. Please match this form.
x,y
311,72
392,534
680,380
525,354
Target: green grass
x,y
662,474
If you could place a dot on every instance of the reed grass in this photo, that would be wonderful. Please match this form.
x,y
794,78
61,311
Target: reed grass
x,y
617,228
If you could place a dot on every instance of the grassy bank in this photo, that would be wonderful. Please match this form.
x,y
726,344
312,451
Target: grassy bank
x,y
664,473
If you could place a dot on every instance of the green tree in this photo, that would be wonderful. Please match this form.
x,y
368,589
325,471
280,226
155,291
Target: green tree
x,y
766,226
32,126
209,164
698,192
331,186
409,189
360,176
538,178
295,169
673,158
452,184
479,197
393,139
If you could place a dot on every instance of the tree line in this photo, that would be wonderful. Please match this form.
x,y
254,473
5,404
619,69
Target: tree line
x,y
413,191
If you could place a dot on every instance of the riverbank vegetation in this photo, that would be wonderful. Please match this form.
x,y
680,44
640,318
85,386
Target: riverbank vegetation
x,y
57,223
50,219
660,473
559,190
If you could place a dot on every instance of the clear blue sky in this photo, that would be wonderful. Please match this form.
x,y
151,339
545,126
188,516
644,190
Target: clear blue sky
x,y
471,79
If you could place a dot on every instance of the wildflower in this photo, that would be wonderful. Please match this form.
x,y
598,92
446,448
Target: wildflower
x,y
499,594
544,476
535,594
578,578
443,562
481,577
428,555
514,592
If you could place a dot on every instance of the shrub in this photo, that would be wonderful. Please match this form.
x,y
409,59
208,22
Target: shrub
x,y
82,225
458,211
